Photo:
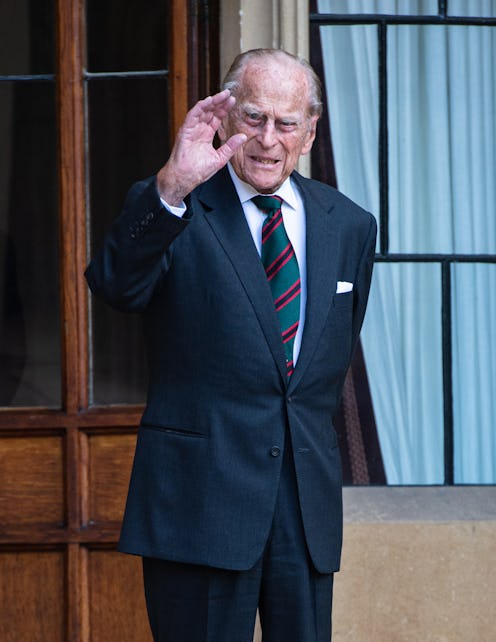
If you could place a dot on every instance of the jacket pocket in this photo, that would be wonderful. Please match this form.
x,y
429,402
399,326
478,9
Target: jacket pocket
x,y
176,431
342,299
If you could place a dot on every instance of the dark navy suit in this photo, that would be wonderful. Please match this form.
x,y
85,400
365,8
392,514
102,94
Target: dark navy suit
x,y
209,451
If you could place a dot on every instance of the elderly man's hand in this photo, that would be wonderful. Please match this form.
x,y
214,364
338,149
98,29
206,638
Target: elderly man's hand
x,y
193,159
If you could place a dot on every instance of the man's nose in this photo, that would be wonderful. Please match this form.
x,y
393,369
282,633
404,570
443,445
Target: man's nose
x,y
267,136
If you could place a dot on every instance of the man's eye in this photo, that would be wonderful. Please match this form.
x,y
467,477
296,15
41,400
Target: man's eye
x,y
253,116
288,125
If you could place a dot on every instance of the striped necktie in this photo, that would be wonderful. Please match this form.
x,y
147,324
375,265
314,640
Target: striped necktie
x,y
283,274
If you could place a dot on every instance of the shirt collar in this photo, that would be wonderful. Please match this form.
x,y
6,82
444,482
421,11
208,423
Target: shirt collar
x,y
246,192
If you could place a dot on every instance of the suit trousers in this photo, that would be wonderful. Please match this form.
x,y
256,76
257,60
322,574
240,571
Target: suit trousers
x,y
193,603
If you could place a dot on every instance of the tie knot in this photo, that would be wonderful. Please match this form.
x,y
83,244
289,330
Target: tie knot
x,y
269,204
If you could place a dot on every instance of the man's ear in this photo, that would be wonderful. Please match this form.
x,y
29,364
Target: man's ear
x,y
310,134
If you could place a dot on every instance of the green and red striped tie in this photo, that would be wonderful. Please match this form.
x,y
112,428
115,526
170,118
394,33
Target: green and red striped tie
x,y
283,274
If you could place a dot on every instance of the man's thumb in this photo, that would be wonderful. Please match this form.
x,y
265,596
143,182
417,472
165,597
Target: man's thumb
x,y
227,150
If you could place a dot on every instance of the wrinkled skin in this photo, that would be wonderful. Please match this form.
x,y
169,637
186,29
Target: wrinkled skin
x,y
263,131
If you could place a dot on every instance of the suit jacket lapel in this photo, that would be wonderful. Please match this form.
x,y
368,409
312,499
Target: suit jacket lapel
x,y
322,244
225,215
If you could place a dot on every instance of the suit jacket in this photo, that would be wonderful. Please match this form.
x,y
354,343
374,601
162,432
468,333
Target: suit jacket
x,y
208,454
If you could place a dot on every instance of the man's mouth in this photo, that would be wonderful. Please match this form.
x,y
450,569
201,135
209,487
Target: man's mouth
x,y
264,161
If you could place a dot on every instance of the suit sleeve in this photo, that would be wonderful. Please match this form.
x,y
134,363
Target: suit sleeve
x,y
135,251
363,279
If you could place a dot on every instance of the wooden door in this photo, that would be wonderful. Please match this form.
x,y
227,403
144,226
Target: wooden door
x,y
91,92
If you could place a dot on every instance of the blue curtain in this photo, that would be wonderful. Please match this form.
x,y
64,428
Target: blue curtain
x,y
442,199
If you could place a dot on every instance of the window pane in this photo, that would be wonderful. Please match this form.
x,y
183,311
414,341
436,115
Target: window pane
x,y
474,8
402,345
474,375
128,141
27,37
441,87
394,7
29,287
351,81
127,37
442,139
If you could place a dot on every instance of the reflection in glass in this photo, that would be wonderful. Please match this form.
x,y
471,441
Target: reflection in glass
x,y
474,375
27,41
128,141
29,288
130,36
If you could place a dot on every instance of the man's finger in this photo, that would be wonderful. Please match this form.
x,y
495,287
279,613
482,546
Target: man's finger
x,y
223,95
218,105
228,149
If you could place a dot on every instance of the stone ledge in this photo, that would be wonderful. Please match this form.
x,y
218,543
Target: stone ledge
x,y
419,504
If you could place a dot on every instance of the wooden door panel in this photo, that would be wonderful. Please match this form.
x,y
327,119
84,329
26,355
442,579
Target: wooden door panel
x,y
32,481
32,596
109,460
116,600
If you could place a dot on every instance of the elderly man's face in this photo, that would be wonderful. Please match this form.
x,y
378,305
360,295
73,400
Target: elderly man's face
x,y
272,110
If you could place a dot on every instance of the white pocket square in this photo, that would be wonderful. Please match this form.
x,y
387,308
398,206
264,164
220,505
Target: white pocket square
x,y
344,286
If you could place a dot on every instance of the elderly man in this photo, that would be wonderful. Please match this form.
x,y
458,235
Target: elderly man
x,y
252,282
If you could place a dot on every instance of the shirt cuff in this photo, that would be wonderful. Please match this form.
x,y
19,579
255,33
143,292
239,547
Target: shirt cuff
x,y
178,210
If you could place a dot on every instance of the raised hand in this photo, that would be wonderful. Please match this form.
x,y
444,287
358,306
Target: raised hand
x,y
194,159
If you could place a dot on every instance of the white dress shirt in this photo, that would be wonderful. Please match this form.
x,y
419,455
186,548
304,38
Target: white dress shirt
x,y
293,214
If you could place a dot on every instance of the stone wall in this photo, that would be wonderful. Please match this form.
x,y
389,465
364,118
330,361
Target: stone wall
x,y
419,565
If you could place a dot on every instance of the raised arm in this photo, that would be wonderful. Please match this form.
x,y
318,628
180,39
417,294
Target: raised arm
x,y
134,252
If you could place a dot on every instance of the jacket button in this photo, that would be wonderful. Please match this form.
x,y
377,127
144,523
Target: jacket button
x,y
275,451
